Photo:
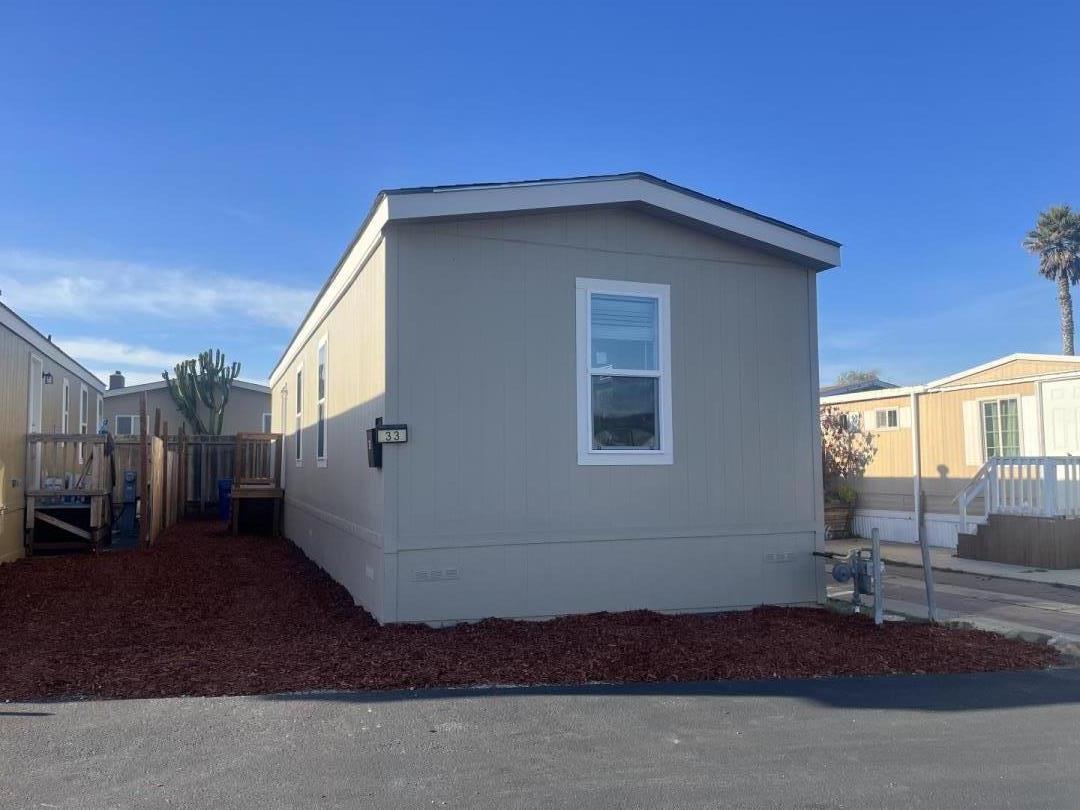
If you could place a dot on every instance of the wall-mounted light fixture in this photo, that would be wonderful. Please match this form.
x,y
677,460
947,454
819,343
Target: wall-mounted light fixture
x,y
46,377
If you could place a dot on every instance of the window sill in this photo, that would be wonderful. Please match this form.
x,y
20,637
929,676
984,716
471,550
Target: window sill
x,y
613,458
320,462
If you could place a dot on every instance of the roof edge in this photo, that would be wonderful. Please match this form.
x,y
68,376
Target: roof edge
x,y
26,331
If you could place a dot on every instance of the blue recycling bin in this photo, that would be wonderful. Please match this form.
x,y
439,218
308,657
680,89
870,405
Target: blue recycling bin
x,y
224,495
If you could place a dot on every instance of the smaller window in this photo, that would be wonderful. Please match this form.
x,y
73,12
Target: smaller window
x,y
298,435
886,418
84,414
267,424
100,413
320,408
66,419
851,422
127,425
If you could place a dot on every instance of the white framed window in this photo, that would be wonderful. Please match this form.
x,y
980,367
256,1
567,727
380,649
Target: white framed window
x,y
100,415
126,425
267,423
623,372
84,414
320,405
298,435
887,418
1000,427
65,405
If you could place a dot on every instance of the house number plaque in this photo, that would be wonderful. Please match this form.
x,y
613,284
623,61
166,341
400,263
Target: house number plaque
x,y
392,434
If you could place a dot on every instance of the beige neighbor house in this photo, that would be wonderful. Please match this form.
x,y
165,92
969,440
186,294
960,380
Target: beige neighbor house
x,y
248,410
973,441
596,393
42,389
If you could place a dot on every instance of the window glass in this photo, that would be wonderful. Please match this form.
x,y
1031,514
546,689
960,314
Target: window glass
x,y
1001,427
624,412
624,332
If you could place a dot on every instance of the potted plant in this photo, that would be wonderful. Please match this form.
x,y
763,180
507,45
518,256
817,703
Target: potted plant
x,y
846,451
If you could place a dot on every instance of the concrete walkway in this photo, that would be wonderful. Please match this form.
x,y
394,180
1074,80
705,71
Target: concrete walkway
x,y
942,559
993,740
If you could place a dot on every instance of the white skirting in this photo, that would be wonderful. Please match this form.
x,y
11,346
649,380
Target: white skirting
x,y
899,526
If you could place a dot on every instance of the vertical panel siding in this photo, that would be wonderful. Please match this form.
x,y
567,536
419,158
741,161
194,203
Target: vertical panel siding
x,y
242,414
487,346
14,399
335,513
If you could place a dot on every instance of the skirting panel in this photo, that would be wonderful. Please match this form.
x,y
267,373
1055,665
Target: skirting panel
x,y
550,579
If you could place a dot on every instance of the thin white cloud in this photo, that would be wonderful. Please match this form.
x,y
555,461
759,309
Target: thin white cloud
x,y
90,289
119,355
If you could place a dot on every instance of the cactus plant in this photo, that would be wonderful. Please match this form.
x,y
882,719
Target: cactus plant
x,y
206,380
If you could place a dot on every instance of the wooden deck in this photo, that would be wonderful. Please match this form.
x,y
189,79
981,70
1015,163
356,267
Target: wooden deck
x,y
257,476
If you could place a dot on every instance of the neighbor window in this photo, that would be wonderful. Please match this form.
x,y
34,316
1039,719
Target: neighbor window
x,y
267,424
851,422
886,418
1001,427
127,425
65,406
299,437
320,407
624,386
84,414
100,413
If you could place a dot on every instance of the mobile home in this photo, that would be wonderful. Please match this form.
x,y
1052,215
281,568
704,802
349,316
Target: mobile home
x,y
594,394
934,442
42,390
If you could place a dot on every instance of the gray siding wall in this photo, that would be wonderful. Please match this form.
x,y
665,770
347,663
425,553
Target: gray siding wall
x,y
243,414
482,367
335,512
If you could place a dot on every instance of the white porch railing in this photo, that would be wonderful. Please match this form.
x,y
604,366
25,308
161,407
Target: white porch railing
x,y
1039,486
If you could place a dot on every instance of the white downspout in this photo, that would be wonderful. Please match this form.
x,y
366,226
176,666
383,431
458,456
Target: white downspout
x,y
920,535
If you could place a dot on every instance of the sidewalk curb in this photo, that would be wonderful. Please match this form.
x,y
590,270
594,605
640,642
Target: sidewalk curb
x,y
944,570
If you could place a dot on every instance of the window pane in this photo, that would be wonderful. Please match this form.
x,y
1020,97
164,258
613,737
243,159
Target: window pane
x,y
320,439
299,389
624,413
1010,427
624,332
894,419
322,371
123,426
990,429
296,438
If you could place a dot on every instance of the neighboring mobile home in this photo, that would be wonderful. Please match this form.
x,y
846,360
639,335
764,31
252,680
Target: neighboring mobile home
x,y
42,389
608,387
934,439
248,409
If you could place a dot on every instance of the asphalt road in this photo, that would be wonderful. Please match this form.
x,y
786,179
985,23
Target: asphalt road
x,y
1051,608
1003,740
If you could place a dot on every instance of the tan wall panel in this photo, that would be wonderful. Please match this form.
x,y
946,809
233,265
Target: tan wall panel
x,y
1020,368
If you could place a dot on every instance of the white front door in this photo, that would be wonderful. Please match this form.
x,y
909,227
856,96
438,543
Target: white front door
x,y
1061,417
33,410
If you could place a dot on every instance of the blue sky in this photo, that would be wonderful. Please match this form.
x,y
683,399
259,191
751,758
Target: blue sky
x,y
179,175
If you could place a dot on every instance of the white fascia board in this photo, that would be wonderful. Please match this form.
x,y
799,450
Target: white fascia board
x,y
864,396
619,191
46,347
1060,358
364,243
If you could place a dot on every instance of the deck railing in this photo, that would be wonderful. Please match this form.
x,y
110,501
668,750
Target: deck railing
x,y
1038,486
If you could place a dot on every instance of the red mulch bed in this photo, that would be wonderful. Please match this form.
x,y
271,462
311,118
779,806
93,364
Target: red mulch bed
x,y
203,613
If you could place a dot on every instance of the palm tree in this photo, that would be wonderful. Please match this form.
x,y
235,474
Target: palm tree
x,y
1056,241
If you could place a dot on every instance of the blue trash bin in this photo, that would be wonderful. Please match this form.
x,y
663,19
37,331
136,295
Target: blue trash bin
x,y
224,494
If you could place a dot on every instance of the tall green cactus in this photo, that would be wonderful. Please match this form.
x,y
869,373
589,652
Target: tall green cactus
x,y
207,380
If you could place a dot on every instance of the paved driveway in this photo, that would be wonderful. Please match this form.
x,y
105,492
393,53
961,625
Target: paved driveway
x,y
1008,739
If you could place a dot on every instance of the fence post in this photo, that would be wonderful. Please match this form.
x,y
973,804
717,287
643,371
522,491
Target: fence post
x,y
1049,484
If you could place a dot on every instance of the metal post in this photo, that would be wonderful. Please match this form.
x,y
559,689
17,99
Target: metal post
x,y
920,535
879,579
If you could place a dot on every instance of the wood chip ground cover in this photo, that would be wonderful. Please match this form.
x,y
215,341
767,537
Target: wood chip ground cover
x,y
203,613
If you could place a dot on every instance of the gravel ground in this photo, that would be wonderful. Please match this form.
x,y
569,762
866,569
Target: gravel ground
x,y
204,613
